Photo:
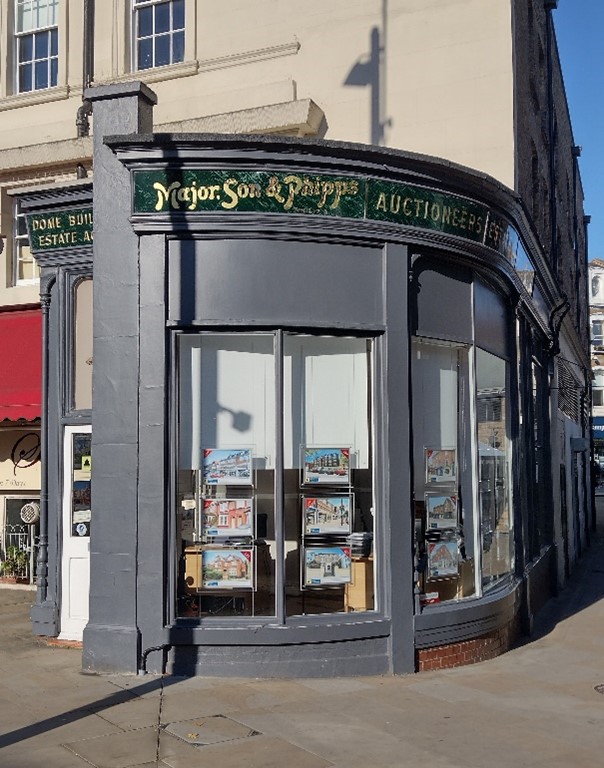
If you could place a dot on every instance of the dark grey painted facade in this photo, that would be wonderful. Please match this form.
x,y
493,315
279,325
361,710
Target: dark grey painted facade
x,y
60,270
158,275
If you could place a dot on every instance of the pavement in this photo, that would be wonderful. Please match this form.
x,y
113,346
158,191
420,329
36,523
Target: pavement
x,y
541,704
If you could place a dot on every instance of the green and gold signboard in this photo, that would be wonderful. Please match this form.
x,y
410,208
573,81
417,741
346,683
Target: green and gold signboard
x,y
197,191
426,209
60,229
194,191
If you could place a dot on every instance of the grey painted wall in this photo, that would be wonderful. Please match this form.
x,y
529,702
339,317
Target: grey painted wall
x,y
268,282
111,638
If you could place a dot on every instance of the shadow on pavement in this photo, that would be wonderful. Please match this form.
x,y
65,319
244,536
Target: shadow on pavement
x,y
584,587
121,696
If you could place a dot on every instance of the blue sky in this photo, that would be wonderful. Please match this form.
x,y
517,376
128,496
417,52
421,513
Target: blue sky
x,y
580,34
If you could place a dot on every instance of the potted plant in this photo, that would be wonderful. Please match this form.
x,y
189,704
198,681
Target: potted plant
x,y
14,565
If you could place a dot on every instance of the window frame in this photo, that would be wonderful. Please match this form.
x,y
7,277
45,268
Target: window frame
x,y
135,7
280,616
20,35
18,239
10,96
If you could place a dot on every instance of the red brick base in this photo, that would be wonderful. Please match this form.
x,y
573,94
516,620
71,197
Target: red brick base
x,y
469,651
54,642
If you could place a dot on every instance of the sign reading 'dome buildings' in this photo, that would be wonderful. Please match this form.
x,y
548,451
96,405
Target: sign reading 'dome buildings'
x,y
59,229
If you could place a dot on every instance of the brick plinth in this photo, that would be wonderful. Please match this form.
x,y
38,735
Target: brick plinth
x,y
469,651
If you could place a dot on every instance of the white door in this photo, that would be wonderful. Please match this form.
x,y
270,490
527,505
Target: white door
x,y
75,562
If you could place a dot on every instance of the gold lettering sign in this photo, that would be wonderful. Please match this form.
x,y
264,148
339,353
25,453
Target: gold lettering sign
x,y
62,229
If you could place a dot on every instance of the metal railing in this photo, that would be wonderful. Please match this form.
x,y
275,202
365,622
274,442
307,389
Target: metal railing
x,y
19,539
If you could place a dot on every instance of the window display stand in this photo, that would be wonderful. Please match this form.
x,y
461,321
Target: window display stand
x,y
326,517
436,526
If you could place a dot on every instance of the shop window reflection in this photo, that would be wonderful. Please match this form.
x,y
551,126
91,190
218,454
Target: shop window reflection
x,y
494,460
442,460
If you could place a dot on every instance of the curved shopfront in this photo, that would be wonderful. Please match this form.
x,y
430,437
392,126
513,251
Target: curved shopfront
x,y
310,459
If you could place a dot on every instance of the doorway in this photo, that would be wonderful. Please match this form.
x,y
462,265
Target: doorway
x,y
75,563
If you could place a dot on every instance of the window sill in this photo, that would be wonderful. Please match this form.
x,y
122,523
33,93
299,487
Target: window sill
x,y
32,98
254,632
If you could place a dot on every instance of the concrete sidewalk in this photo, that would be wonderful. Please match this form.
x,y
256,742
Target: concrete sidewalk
x,y
538,705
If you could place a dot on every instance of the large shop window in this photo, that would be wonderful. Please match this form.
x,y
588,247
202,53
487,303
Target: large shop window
x,y
275,495
462,458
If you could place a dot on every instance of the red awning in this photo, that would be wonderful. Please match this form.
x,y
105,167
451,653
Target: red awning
x,y
20,364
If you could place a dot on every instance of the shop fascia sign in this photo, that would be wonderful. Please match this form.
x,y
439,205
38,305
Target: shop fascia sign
x,y
197,191
58,230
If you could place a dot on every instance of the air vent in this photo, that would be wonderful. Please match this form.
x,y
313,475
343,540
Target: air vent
x,y
30,512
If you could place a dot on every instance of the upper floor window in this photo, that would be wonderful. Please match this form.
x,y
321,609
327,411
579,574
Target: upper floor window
x,y
36,33
596,332
598,388
159,32
596,284
25,267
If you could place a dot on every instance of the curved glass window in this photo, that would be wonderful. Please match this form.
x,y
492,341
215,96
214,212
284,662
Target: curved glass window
x,y
493,468
445,525
461,446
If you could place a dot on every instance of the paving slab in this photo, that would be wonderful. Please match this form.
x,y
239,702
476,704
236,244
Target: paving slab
x,y
131,715
257,752
129,748
50,756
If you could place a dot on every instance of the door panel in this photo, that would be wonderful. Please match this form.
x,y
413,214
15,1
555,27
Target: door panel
x,y
76,520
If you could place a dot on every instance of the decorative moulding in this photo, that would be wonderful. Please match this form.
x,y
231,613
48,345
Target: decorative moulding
x,y
247,57
188,68
155,75
32,98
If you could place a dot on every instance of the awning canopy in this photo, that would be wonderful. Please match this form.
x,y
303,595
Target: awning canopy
x,y
20,364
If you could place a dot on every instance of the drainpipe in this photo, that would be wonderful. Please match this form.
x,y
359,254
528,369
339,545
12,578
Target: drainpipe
x,y
42,563
576,154
85,110
586,221
549,6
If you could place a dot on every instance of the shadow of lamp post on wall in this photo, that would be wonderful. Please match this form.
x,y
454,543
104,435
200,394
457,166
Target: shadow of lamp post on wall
x,y
369,71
